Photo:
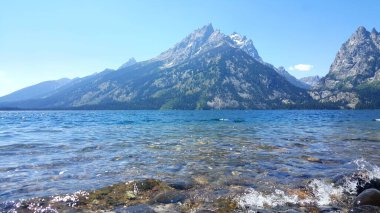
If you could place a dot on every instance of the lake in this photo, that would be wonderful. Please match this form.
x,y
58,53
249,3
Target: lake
x,y
265,153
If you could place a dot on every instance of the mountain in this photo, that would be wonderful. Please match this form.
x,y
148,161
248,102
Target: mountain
x,y
354,77
41,90
206,70
292,79
130,62
312,81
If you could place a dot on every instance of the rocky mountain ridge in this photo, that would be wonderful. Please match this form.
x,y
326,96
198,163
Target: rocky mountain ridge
x,y
206,70
354,77
211,70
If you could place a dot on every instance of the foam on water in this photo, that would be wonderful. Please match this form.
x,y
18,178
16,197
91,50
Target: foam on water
x,y
324,193
321,192
260,200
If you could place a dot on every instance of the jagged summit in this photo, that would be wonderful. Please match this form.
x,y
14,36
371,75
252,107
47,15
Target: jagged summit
x,y
245,44
187,47
204,39
355,70
361,29
206,30
130,62
356,61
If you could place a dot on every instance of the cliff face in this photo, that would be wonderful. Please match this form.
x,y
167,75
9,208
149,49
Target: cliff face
x,y
354,76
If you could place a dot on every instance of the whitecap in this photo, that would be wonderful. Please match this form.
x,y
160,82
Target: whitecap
x,y
61,172
223,119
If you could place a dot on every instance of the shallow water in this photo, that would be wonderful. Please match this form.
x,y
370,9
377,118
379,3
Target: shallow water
x,y
46,153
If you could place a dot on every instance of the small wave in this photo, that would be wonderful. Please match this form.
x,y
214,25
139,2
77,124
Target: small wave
x,y
317,192
239,121
320,193
126,122
261,200
219,119
44,131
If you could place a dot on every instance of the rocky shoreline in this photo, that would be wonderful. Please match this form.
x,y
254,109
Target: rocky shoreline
x,y
197,196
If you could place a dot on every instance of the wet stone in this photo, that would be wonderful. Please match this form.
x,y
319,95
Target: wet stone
x,y
365,209
226,205
146,185
329,210
240,182
170,197
181,185
291,211
374,183
205,211
136,209
368,197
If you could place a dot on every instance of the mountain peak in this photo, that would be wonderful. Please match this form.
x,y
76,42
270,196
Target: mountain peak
x,y
188,46
207,28
356,60
361,32
204,39
203,32
130,62
374,31
361,29
245,44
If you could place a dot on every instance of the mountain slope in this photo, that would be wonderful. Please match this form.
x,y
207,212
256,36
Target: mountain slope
x,y
292,79
206,70
354,77
37,91
312,81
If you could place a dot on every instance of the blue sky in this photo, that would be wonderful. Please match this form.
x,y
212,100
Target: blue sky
x,y
45,40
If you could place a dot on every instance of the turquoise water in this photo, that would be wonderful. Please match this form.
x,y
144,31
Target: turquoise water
x,y
44,153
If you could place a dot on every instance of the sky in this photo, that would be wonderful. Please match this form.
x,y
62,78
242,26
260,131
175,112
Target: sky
x,y
45,40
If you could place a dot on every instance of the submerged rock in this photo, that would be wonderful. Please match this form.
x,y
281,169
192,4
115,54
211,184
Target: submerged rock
x,y
313,160
170,197
136,209
121,194
369,197
181,185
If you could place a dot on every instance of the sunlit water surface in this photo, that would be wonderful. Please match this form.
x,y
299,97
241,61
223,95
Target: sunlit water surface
x,y
44,153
